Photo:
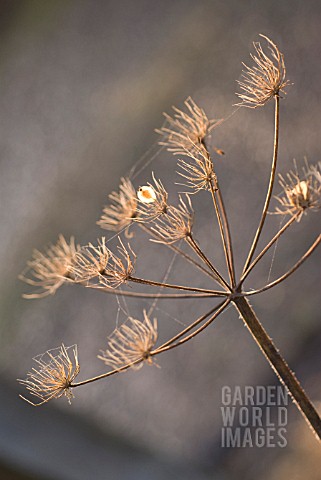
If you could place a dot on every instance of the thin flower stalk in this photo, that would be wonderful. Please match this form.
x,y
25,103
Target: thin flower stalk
x,y
122,209
153,283
289,272
52,377
265,249
132,342
179,251
50,270
271,183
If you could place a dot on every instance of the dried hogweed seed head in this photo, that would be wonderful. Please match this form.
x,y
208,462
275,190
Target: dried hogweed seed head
x,y
198,170
49,270
265,79
119,267
300,195
91,261
176,224
152,201
53,375
186,129
131,343
121,211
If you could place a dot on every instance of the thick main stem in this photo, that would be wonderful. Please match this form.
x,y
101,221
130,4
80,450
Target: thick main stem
x,y
279,365
271,183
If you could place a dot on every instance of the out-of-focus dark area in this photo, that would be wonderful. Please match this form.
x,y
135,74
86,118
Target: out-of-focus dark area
x,y
83,86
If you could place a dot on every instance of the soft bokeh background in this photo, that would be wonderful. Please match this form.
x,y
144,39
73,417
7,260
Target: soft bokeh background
x,y
83,86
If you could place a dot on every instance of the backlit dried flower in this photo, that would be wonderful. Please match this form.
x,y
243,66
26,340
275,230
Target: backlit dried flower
x,y
176,224
49,270
122,209
119,268
152,201
266,79
53,375
132,342
91,261
186,129
300,195
198,171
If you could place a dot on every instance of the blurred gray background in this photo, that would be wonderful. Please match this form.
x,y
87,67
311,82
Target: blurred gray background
x,y
83,86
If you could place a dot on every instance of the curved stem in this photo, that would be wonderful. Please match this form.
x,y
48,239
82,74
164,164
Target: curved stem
x,y
271,183
190,327
160,296
279,365
177,250
289,272
169,345
177,287
228,234
164,347
222,222
266,248
191,242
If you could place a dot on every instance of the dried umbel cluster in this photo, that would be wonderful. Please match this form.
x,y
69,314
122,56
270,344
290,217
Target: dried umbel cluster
x,y
52,377
300,194
147,207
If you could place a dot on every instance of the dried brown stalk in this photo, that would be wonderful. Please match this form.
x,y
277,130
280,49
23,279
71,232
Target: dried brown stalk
x,y
134,342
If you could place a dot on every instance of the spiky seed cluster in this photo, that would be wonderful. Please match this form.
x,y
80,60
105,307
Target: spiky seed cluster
x,y
91,261
198,170
121,211
152,201
186,129
49,270
119,267
176,224
53,375
300,195
266,79
131,343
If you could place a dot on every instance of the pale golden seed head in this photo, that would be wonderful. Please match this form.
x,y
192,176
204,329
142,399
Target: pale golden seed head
x,y
119,267
176,224
48,271
266,79
122,209
131,343
198,171
152,201
184,130
53,375
300,195
91,261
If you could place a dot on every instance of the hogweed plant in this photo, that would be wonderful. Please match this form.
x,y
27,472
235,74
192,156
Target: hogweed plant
x,y
185,134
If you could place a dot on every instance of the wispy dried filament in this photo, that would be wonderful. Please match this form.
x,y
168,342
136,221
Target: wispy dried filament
x,y
119,267
152,201
176,224
49,270
53,375
121,211
131,343
91,261
198,171
265,79
300,195
185,130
